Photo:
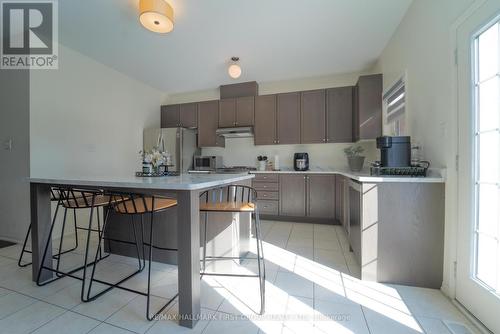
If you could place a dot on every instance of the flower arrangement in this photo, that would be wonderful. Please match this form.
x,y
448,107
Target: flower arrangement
x,y
155,156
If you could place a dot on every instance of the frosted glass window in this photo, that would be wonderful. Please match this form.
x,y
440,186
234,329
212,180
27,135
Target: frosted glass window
x,y
487,157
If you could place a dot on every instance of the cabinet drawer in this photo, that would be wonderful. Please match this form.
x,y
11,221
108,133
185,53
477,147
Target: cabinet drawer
x,y
266,178
268,207
268,195
265,186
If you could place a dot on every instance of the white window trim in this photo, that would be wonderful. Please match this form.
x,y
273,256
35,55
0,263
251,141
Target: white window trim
x,y
391,127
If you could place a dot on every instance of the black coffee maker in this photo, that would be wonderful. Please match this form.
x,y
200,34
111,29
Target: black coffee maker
x,y
394,151
301,161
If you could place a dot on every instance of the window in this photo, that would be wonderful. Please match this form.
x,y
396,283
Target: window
x,y
394,108
486,74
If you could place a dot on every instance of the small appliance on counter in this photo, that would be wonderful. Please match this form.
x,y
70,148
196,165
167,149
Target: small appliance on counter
x,y
207,163
301,161
395,158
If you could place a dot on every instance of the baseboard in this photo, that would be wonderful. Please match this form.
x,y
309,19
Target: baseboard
x,y
475,321
310,220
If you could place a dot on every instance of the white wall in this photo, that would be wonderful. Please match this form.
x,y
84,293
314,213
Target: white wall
x,y
87,119
423,46
242,152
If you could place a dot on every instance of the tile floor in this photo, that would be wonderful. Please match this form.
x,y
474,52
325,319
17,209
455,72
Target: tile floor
x,y
311,287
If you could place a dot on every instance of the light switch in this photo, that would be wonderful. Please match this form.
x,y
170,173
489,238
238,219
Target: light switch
x,y
8,145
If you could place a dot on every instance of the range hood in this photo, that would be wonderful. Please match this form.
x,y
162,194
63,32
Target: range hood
x,y
238,132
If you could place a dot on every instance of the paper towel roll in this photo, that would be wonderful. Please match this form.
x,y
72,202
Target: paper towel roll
x,y
276,162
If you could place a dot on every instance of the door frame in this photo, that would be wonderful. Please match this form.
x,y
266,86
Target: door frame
x,y
474,22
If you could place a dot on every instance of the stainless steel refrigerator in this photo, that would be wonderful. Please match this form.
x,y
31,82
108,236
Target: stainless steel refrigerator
x,y
179,142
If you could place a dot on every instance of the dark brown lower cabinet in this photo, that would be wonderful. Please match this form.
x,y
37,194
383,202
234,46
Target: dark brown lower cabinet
x,y
307,196
292,195
321,196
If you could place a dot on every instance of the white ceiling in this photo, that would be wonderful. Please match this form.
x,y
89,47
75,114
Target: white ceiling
x,y
275,39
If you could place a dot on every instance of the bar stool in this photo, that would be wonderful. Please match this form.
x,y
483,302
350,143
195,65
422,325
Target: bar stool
x,y
135,204
54,197
72,198
242,199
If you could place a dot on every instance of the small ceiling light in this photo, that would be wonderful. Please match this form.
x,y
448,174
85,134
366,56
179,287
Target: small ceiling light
x,y
234,69
156,15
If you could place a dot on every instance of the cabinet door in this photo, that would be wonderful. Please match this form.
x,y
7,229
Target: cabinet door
x,y
321,196
370,106
339,198
189,115
245,107
313,115
170,116
355,113
292,195
208,123
354,191
265,120
339,112
227,113
288,114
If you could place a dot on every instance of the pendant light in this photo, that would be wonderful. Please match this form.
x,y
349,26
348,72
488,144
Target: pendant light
x,y
234,69
156,15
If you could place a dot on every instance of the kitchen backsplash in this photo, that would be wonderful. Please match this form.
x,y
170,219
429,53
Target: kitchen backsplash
x,y
243,152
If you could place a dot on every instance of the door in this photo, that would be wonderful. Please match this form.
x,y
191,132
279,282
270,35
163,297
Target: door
x,y
288,118
313,116
265,120
189,115
245,107
227,113
208,123
478,251
339,115
292,195
170,116
321,196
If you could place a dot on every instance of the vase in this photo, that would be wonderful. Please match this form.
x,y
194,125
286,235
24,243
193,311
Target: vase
x,y
356,163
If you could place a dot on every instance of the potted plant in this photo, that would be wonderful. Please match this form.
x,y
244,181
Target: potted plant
x,y
354,157
153,159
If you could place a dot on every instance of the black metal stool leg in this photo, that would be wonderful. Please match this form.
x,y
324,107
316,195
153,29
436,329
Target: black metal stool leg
x,y
260,258
205,243
24,250
49,240
59,252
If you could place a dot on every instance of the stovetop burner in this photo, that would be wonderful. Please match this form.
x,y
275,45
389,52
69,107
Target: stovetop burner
x,y
419,170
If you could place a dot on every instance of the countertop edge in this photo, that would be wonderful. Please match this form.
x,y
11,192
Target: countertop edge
x,y
365,177
139,185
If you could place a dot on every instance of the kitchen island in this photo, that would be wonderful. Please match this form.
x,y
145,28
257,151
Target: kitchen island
x,y
185,188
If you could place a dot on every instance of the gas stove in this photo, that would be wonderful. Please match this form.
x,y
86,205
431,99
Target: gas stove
x,y
226,170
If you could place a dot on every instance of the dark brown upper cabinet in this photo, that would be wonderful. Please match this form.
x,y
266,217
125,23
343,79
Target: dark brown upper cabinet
x,y
339,115
170,116
207,124
313,115
189,115
236,112
288,118
321,196
179,115
367,110
265,120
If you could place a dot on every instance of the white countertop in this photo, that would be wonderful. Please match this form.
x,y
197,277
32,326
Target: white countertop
x,y
433,175
181,182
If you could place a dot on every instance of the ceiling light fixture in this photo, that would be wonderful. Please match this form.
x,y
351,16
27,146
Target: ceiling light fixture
x,y
156,15
234,69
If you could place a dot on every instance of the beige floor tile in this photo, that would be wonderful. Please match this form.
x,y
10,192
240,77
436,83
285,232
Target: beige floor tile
x,y
30,318
68,322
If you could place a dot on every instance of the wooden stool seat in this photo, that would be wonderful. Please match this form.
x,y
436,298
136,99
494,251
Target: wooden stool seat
x,y
144,205
228,206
